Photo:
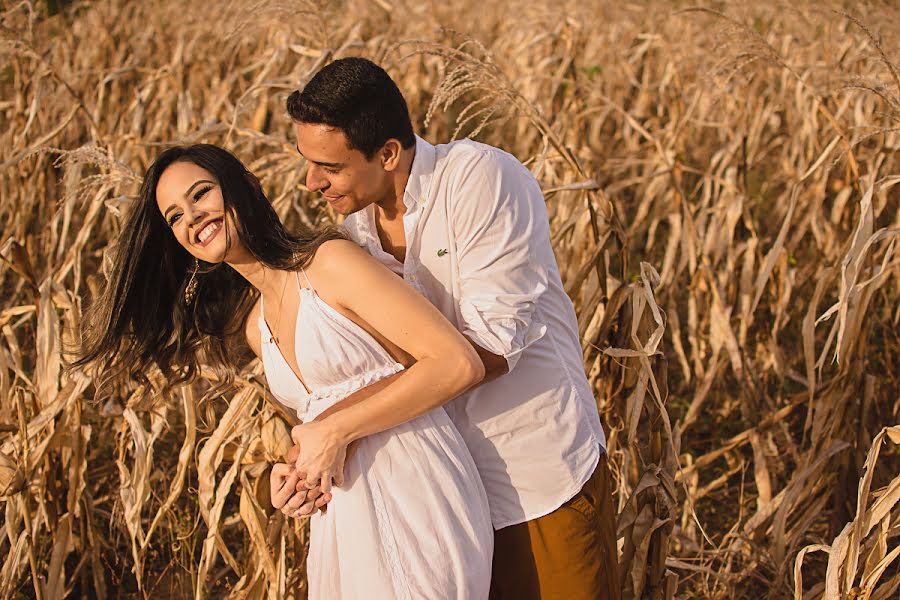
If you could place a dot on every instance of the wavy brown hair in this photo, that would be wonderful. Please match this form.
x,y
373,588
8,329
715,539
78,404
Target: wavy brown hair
x,y
141,318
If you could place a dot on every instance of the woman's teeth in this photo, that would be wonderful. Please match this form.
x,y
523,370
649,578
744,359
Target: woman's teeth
x,y
208,231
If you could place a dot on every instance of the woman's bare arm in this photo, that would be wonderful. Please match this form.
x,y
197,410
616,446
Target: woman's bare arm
x,y
446,364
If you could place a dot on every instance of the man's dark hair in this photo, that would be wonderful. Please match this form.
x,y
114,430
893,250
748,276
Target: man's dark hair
x,y
358,97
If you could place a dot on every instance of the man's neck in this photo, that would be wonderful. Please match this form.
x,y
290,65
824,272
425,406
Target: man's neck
x,y
392,207
390,210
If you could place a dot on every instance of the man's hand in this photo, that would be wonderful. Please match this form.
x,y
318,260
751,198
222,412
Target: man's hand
x,y
289,492
304,501
322,454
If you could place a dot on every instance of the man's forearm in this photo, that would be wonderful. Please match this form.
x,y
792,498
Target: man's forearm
x,y
494,365
358,396
308,501
354,398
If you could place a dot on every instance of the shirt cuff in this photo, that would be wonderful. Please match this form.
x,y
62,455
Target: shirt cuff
x,y
507,337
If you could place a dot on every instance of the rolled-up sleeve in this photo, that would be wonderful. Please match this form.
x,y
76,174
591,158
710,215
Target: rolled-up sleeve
x,y
500,222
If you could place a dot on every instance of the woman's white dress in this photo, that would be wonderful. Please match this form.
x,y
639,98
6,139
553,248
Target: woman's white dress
x,y
411,520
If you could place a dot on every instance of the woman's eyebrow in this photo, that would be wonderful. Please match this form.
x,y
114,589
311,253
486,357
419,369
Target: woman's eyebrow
x,y
187,193
195,184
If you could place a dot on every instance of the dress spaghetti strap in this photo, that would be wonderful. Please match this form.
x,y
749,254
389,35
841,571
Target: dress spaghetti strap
x,y
306,277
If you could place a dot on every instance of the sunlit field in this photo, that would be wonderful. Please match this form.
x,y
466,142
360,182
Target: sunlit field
x,y
722,184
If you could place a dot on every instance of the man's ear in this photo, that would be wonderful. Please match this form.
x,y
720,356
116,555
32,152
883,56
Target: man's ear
x,y
390,154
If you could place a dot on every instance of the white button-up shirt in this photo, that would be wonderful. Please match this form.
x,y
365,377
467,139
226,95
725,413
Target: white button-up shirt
x,y
478,247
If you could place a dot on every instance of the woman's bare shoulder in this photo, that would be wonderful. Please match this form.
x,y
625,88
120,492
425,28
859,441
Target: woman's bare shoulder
x,y
341,270
339,259
335,251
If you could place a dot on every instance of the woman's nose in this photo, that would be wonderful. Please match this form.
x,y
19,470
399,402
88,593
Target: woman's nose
x,y
194,215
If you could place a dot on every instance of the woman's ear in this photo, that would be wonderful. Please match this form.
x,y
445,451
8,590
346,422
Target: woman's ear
x,y
390,154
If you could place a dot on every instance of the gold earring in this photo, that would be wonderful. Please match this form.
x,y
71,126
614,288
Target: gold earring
x,y
191,288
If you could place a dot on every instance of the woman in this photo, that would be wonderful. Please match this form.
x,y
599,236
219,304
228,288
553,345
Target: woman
x,y
409,517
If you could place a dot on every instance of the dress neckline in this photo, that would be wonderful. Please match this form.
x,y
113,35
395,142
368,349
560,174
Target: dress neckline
x,y
298,375
316,302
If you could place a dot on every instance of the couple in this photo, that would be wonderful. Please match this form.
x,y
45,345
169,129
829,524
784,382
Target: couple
x,y
459,388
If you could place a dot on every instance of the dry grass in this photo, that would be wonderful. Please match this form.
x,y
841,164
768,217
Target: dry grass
x,y
722,189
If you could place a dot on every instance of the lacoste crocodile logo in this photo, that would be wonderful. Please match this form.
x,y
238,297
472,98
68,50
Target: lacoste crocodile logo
x,y
442,252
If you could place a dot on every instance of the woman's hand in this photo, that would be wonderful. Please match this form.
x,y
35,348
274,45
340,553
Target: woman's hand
x,y
282,483
323,452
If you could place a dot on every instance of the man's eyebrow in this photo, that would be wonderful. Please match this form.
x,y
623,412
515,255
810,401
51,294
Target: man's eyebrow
x,y
321,164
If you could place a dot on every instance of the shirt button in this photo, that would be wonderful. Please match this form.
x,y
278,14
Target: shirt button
x,y
412,277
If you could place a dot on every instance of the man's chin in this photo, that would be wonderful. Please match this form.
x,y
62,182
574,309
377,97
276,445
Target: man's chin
x,y
346,208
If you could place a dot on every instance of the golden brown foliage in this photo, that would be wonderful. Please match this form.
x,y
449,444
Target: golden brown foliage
x,y
722,191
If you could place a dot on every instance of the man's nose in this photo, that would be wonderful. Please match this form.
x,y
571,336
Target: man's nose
x,y
315,180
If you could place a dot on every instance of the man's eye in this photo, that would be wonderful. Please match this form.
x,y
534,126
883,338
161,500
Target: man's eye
x,y
332,171
200,193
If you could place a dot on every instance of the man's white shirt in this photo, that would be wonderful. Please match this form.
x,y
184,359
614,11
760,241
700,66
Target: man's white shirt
x,y
478,247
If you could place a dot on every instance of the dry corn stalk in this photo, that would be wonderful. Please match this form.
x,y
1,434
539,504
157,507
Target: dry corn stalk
x,y
866,537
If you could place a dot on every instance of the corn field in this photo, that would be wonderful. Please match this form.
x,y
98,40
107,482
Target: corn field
x,y
722,181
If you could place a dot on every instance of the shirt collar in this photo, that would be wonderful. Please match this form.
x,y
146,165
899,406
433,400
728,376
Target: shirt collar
x,y
418,186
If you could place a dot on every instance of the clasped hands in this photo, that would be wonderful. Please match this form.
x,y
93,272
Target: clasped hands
x,y
303,484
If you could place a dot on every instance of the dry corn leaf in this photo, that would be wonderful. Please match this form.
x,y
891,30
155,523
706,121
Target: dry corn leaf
x,y
11,478
55,587
184,460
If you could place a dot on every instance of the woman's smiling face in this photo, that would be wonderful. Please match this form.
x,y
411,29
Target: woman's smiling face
x,y
190,200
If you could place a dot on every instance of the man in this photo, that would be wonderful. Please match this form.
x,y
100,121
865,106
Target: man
x,y
466,225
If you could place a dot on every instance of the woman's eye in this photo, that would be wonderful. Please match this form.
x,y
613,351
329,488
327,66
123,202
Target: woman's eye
x,y
172,220
200,193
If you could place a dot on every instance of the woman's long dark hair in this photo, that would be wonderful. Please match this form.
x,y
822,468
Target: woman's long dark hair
x,y
141,317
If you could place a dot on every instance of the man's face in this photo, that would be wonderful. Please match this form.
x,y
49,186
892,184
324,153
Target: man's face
x,y
347,180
